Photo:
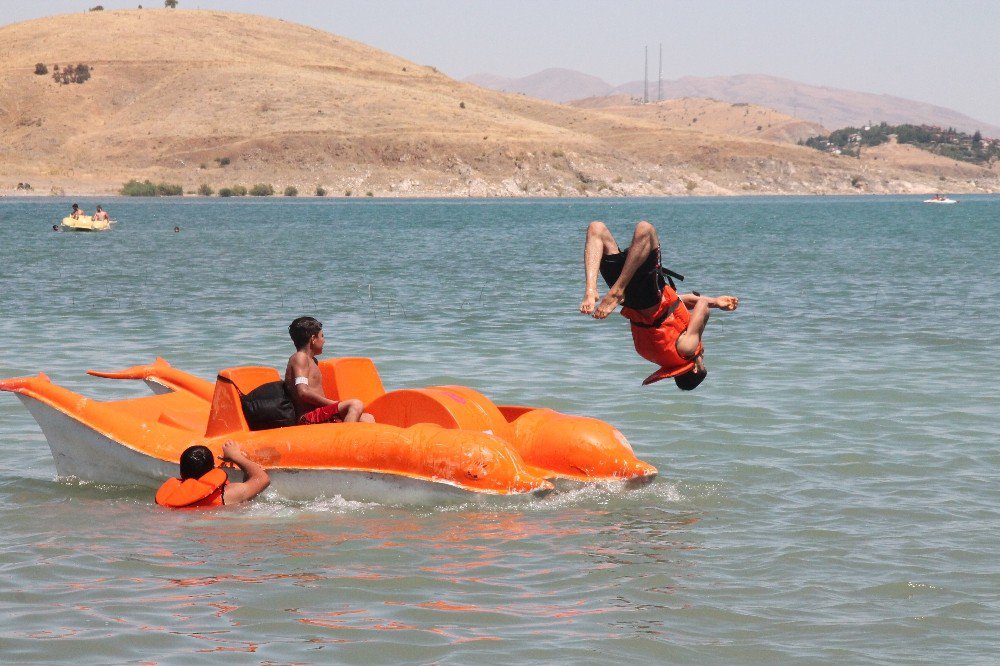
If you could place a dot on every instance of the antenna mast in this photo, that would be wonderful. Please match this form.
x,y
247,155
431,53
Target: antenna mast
x,y
645,75
659,78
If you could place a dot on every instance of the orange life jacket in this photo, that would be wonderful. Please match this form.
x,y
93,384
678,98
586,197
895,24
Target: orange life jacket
x,y
655,336
192,493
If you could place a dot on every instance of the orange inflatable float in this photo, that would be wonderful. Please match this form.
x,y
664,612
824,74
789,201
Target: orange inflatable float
x,y
428,443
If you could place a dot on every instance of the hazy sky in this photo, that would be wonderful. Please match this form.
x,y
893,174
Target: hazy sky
x,y
942,52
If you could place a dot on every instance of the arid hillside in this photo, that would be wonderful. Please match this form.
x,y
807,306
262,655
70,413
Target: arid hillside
x,y
710,116
203,97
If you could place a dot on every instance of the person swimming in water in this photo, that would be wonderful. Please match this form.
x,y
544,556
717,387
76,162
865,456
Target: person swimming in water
x,y
666,327
202,484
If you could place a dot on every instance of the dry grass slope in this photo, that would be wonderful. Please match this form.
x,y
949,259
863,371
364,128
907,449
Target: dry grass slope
x,y
174,91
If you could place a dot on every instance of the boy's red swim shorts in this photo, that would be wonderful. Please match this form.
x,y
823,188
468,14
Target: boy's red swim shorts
x,y
324,414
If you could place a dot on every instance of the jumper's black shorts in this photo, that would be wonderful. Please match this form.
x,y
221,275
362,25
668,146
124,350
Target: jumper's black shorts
x,y
647,284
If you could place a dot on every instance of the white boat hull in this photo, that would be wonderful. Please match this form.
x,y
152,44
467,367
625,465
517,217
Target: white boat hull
x,y
85,454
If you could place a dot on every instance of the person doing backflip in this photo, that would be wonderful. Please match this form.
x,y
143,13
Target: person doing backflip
x,y
666,327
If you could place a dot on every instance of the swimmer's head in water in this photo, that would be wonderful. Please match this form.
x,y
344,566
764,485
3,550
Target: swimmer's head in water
x,y
689,380
196,462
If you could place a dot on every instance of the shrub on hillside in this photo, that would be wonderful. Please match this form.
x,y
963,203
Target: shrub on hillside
x,y
291,191
223,161
98,8
170,4
225,192
41,69
261,190
204,190
82,73
69,73
134,188
320,191
169,190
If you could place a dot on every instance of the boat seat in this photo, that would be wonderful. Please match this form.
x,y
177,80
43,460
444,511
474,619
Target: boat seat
x,y
447,406
346,378
226,414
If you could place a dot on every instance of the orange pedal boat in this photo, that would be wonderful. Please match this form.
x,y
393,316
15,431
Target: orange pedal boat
x,y
427,444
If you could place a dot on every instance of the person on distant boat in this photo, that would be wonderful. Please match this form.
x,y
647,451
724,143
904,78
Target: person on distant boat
x,y
77,212
304,380
666,327
202,484
101,214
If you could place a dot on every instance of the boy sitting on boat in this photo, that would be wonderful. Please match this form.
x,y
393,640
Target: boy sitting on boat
x,y
304,380
202,484
666,327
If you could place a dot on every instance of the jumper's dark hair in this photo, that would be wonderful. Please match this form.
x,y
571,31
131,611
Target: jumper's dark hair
x,y
196,462
302,329
689,380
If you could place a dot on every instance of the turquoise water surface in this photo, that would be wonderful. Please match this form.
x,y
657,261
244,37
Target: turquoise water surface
x,y
829,495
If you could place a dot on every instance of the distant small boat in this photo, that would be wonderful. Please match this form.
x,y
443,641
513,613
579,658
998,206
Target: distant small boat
x,y
86,223
940,200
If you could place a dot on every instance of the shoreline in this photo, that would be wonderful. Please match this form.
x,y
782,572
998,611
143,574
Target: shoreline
x,y
443,197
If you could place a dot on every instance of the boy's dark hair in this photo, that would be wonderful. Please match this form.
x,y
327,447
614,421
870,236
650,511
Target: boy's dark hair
x,y
689,380
196,462
302,329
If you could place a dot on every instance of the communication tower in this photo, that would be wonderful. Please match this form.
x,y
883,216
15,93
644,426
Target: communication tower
x,y
645,75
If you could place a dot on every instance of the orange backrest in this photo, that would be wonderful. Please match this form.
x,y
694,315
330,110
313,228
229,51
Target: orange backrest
x,y
226,414
447,406
407,407
346,378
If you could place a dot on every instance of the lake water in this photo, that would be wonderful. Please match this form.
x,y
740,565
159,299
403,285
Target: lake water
x,y
829,495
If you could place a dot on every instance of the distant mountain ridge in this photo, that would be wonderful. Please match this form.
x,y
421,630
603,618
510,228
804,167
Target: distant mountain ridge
x,y
831,107
554,85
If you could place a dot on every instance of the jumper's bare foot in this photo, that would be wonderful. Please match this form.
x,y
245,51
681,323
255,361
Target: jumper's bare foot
x,y
727,302
589,298
608,304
